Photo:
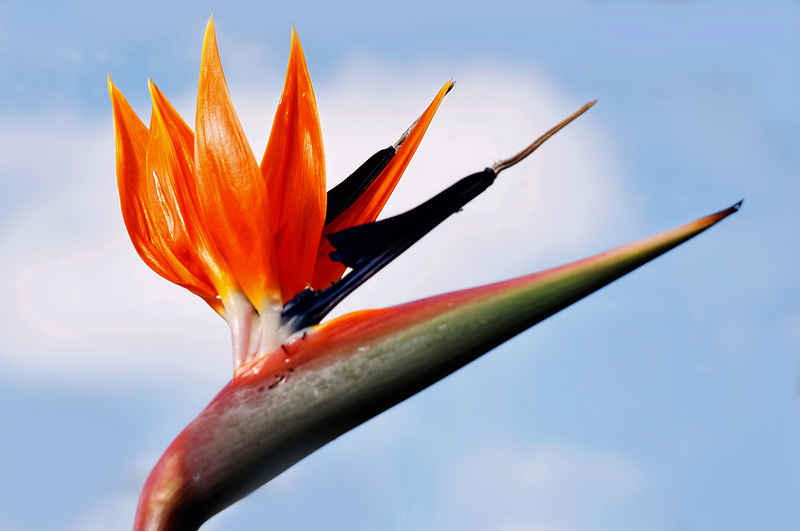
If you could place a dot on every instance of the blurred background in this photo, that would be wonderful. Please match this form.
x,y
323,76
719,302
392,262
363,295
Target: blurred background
x,y
666,401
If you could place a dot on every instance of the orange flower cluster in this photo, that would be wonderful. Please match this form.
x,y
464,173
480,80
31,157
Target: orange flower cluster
x,y
243,236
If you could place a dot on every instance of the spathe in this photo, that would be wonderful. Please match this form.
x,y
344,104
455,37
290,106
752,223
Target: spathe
x,y
335,376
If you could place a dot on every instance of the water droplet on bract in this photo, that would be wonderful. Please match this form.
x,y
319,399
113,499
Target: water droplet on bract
x,y
442,327
363,349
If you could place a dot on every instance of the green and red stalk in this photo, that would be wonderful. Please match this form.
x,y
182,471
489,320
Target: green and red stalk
x,y
332,377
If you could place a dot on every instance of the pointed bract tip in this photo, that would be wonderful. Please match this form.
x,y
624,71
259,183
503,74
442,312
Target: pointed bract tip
x,y
712,219
730,210
722,214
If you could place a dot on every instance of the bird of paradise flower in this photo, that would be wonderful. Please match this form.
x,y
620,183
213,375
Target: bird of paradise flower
x,y
266,246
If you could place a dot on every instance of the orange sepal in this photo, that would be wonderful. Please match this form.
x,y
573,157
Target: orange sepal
x,y
232,196
132,138
294,170
173,203
367,207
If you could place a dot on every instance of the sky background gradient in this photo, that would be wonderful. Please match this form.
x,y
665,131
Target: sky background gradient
x,y
666,401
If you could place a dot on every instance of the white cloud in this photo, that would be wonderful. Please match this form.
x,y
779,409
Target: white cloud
x,y
80,302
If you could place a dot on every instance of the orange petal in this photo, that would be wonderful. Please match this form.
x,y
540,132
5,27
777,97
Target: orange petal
x,y
294,170
367,207
233,200
171,181
131,138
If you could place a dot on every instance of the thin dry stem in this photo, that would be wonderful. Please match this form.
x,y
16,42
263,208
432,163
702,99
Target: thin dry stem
x,y
497,167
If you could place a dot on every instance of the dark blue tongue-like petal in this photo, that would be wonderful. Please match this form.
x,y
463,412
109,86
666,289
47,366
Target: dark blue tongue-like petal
x,y
370,247
373,245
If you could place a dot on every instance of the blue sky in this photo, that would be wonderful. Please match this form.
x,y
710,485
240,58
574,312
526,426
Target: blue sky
x,y
666,401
